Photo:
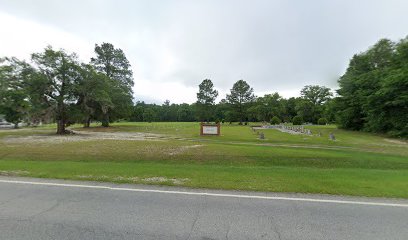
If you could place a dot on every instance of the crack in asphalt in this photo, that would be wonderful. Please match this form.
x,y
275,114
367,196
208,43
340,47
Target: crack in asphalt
x,y
229,221
196,217
272,221
54,206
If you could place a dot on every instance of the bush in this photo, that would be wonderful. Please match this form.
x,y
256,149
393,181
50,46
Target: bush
x,y
297,120
286,119
275,120
322,121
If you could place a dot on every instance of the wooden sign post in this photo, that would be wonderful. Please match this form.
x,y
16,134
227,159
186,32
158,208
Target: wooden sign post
x,y
207,129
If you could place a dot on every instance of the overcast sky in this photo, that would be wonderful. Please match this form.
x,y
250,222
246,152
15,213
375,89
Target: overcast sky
x,y
174,45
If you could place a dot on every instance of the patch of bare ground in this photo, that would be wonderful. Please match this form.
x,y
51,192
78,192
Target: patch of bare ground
x,y
21,129
175,181
14,173
82,136
395,141
182,149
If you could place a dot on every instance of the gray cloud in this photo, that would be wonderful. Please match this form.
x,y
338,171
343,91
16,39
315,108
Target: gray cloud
x,y
274,45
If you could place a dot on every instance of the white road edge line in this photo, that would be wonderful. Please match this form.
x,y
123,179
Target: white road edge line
x,y
208,194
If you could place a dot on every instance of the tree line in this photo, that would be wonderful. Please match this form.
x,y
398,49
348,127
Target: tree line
x,y
56,87
241,105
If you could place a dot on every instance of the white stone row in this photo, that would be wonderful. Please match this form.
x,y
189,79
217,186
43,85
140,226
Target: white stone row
x,y
295,129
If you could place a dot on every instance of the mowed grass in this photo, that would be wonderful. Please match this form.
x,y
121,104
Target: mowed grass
x,y
356,163
238,133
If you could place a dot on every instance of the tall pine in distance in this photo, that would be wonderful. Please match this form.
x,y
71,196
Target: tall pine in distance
x,y
240,97
206,100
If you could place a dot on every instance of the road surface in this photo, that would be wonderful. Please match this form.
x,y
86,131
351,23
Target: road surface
x,y
55,209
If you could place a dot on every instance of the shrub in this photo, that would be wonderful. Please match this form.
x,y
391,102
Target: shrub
x,y
275,120
297,120
286,119
322,121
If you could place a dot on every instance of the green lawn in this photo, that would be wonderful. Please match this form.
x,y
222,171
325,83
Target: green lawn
x,y
355,164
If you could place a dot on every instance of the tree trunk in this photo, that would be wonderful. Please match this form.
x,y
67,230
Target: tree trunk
x,y
61,117
15,125
60,126
61,108
105,120
87,122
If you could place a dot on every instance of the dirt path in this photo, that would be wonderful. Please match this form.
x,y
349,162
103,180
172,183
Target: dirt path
x,y
83,136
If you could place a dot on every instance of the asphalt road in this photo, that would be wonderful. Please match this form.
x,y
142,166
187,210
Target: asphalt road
x,y
82,210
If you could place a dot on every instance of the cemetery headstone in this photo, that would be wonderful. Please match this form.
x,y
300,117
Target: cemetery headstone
x,y
332,137
261,135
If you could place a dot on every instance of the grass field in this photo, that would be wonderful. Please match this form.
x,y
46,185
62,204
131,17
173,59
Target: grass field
x,y
356,163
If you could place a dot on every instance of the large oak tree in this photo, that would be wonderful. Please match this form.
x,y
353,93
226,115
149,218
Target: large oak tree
x,y
113,63
59,72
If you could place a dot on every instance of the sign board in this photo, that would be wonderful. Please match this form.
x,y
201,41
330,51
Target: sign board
x,y
210,129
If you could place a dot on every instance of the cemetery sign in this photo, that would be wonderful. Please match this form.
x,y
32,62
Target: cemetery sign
x,y
209,129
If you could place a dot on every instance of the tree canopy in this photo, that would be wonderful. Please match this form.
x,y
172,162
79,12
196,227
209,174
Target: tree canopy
x,y
59,72
373,93
13,94
113,63
58,87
